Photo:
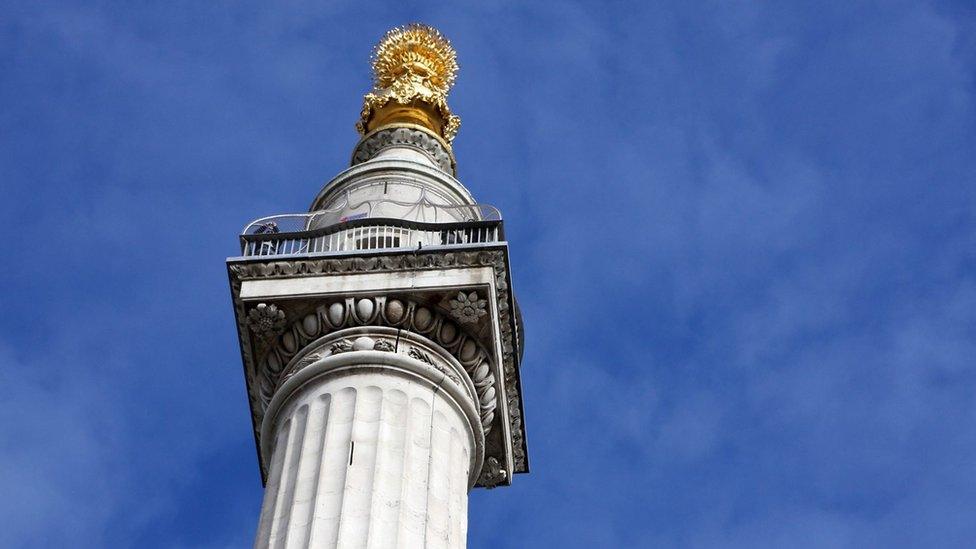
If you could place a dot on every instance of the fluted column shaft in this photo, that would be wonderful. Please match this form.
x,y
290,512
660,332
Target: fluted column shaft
x,y
368,456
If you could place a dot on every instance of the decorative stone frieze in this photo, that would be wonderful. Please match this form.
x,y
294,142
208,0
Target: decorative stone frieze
x,y
417,139
341,346
363,343
278,353
388,340
420,355
424,357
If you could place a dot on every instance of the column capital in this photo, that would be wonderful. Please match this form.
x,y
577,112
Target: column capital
x,y
377,348
459,301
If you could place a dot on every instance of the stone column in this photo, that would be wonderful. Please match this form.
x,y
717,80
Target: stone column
x,y
370,448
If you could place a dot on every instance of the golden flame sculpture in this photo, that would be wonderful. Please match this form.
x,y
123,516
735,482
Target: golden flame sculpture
x,y
414,66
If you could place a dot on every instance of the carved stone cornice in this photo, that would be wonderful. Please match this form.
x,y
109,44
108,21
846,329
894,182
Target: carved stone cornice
x,y
494,257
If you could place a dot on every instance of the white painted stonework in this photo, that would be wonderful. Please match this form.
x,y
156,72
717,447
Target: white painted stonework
x,y
397,186
370,449
366,283
383,380
367,461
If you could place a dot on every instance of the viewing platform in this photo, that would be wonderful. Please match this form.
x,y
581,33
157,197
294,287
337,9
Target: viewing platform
x,y
327,232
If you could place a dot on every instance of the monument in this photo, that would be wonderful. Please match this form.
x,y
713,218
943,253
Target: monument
x,y
379,331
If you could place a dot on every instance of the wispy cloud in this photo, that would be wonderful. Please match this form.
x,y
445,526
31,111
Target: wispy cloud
x,y
742,241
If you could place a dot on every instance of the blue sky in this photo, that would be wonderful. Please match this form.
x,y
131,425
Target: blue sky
x,y
743,237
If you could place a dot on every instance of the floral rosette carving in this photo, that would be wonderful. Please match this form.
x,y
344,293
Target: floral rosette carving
x,y
266,321
467,308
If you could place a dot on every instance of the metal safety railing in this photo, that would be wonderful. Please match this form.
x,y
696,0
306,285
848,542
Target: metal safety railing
x,y
366,234
422,211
